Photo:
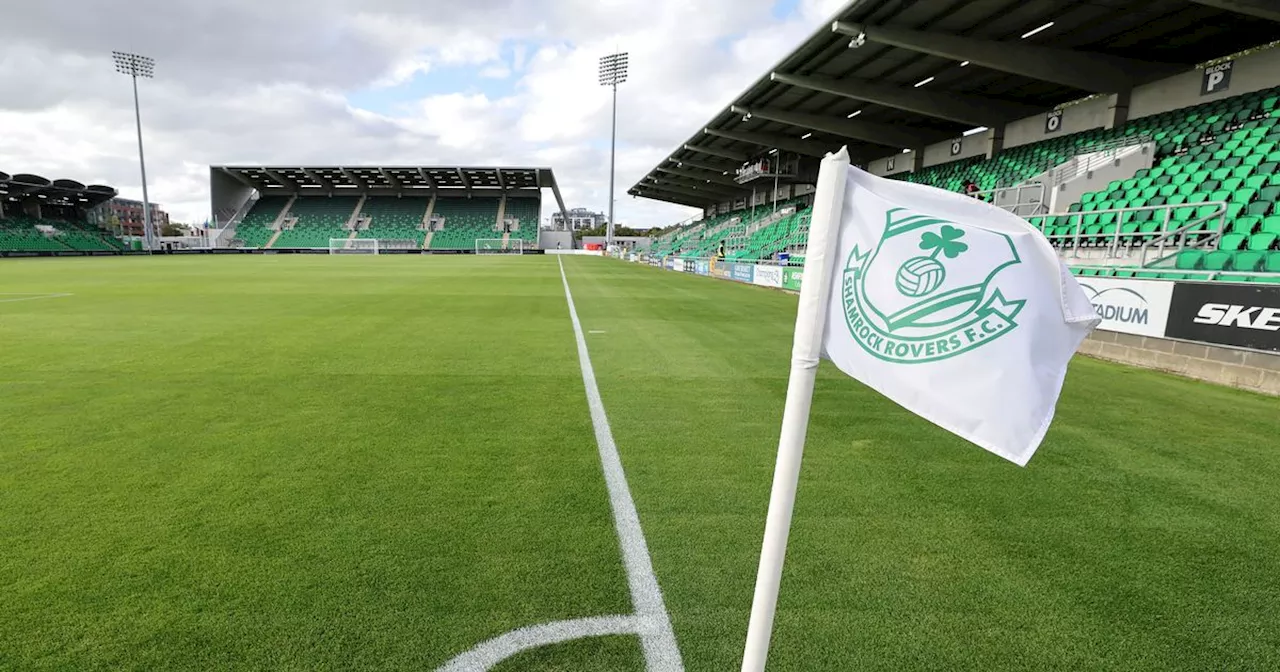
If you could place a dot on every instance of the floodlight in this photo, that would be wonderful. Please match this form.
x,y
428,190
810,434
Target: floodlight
x,y
135,66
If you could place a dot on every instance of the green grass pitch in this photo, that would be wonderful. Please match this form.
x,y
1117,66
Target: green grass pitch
x,y
341,463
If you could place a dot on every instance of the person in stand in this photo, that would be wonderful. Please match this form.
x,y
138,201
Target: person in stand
x,y
971,188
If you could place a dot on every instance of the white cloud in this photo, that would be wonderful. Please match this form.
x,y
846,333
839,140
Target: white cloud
x,y
268,83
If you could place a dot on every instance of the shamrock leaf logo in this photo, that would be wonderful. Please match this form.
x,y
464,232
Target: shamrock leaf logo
x,y
948,242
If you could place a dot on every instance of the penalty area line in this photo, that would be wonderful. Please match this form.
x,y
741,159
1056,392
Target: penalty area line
x,y
650,620
30,297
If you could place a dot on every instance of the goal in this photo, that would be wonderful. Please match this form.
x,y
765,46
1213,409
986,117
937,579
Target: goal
x,y
353,246
498,246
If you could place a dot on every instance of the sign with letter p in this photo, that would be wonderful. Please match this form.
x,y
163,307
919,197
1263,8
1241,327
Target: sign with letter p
x,y
1216,79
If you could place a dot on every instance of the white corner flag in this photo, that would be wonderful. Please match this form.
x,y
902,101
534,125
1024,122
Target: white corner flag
x,y
957,310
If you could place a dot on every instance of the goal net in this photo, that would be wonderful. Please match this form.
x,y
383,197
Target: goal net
x,y
353,246
498,246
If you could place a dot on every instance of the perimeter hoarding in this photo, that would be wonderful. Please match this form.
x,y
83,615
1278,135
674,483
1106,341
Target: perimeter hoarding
x,y
1243,316
1139,307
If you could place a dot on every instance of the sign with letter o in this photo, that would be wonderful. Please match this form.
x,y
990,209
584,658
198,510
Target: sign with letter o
x,y
956,146
1053,121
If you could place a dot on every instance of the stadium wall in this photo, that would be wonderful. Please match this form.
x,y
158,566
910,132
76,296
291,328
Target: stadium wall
x,y
1244,369
1254,72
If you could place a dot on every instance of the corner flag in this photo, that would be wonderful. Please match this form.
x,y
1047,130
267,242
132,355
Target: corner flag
x,y
957,310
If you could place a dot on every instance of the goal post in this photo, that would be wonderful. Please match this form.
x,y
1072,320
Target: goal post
x,y
499,246
353,246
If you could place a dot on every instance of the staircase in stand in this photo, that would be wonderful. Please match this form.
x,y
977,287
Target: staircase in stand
x,y
279,223
426,242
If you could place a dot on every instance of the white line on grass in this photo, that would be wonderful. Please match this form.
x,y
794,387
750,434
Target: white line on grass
x,y
651,621
30,297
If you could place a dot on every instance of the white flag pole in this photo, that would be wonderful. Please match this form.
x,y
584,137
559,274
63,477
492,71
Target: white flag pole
x,y
815,290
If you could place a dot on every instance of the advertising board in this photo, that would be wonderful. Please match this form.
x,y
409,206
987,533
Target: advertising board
x,y
768,276
1245,316
791,277
742,272
1138,307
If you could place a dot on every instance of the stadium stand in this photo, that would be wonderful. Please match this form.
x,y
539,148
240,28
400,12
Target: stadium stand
x,y
42,216
1197,195
256,228
526,212
313,220
392,217
465,220
432,208
1226,151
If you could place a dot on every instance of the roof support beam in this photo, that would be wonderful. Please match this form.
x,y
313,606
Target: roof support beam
x,y
880,134
688,194
238,177
555,191
722,153
1262,9
957,107
422,172
707,165
772,141
715,178
395,184
1096,73
711,190
326,184
290,184
463,177
669,197
498,174
354,178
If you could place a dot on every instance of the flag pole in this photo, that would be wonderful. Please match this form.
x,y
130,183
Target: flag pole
x,y
815,290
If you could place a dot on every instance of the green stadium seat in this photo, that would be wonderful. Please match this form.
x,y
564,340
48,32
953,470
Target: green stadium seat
x,y
1232,241
1262,241
1189,259
1245,225
1246,262
1216,261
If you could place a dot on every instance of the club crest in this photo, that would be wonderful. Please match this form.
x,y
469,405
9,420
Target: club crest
x,y
928,289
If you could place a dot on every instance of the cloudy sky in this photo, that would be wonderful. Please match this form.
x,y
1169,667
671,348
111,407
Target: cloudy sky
x,y
416,82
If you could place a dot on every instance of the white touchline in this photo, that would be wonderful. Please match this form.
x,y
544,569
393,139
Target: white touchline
x,y
30,297
651,621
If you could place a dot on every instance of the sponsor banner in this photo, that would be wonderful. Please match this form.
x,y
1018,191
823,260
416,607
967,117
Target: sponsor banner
x,y
676,265
1138,307
768,276
702,267
791,278
689,265
721,269
1245,316
742,272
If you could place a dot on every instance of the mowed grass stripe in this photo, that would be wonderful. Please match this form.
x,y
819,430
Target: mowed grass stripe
x,y
293,463
1145,535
